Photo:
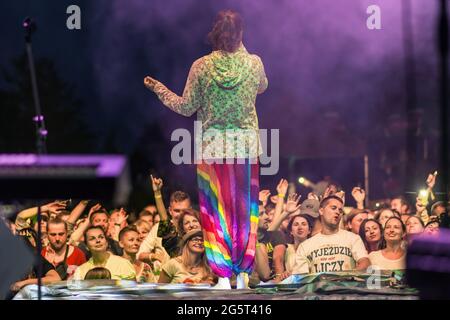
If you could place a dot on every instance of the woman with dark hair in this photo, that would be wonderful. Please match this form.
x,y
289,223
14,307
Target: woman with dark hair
x,y
432,227
299,228
222,88
370,232
385,214
393,256
96,241
98,273
414,225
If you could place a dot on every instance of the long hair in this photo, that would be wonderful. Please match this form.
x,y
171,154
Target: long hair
x,y
309,220
401,222
205,273
226,33
362,233
187,212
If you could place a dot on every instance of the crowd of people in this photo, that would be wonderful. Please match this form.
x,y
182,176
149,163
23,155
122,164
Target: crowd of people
x,y
166,245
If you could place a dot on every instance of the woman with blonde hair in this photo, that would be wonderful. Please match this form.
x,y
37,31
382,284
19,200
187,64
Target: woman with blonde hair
x,y
191,265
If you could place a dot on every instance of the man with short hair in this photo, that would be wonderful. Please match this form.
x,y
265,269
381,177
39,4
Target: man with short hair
x,y
64,257
163,237
400,204
333,249
270,250
354,220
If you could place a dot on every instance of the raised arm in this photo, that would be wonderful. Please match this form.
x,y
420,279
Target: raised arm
x,y
77,211
292,206
187,104
157,186
281,189
359,195
431,181
49,207
78,233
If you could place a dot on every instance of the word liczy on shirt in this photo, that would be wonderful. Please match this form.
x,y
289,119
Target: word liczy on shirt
x,y
329,253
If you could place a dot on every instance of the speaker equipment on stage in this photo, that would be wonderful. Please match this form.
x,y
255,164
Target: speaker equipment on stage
x,y
428,265
30,176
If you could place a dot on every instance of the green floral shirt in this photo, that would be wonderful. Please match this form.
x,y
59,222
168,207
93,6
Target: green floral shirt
x,y
222,89
169,235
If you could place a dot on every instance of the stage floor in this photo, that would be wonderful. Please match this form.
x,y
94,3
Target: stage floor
x,y
344,286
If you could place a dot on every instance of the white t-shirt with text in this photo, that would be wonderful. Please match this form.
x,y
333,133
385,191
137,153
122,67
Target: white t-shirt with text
x,y
329,253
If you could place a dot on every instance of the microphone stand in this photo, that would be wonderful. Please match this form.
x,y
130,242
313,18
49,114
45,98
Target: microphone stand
x,y
41,134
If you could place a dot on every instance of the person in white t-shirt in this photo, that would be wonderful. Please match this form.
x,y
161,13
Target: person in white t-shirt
x,y
333,249
120,268
393,257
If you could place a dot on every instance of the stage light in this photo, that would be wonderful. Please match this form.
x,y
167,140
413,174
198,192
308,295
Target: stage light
x,y
377,204
301,180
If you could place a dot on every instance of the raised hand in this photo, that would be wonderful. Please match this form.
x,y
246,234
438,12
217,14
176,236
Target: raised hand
x,y
358,194
292,203
54,207
282,186
328,191
95,208
341,194
156,184
263,196
431,180
121,217
314,196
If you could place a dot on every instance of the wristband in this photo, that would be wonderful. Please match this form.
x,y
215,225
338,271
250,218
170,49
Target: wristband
x,y
158,196
281,195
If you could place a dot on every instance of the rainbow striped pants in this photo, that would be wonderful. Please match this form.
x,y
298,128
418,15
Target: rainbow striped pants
x,y
228,198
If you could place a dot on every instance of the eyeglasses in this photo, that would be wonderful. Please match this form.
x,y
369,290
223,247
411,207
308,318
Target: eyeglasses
x,y
197,239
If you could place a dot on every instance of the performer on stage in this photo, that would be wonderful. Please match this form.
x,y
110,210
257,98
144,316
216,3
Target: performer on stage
x,y
222,88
